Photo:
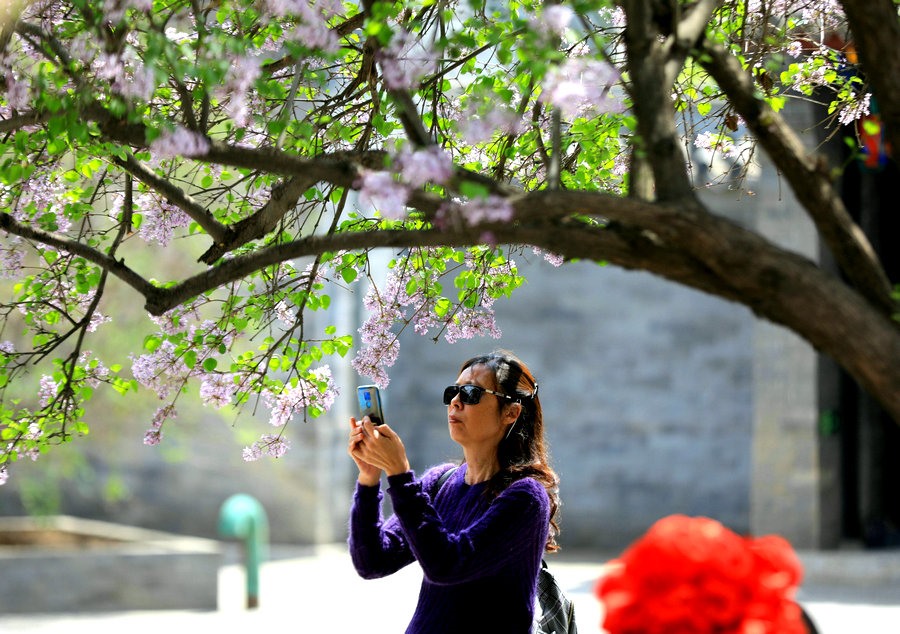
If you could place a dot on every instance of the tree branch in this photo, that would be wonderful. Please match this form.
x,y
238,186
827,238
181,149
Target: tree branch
x,y
283,198
104,261
807,176
647,59
175,195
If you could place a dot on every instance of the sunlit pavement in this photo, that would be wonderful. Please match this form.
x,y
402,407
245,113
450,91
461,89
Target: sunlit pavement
x,y
316,590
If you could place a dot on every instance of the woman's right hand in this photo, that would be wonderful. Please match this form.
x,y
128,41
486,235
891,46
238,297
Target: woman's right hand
x,y
369,475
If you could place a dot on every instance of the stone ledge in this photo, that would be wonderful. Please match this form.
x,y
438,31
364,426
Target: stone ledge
x,y
89,566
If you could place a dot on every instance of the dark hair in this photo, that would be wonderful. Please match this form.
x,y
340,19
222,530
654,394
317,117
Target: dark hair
x,y
522,452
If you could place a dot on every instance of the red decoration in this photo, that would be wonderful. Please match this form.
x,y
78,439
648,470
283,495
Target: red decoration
x,y
691,575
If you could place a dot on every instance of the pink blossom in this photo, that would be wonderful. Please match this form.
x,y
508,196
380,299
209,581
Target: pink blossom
x,y
153,436
381,191
795,49
268,444
857,109
217,389
553,21
553,258
478,128
18,94
114,10
242,73
582,85
406,61
490,209
160,218
316,390
381,347
430,165
716,142
160,371
47,391
180,142
12,259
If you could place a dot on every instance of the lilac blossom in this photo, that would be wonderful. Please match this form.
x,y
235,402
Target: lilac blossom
x,y
154,434
580,85
381,346
795,49
430,165
268,444
242,73
95,371
553,21
492,208
127,74
114,10
217,389
473,322
478,128
716,142
285,313
180,142
856,109
160,218
178,319
381,191
18,93
7,347
160,371
47,390
553,258
406,61
303,393
12,258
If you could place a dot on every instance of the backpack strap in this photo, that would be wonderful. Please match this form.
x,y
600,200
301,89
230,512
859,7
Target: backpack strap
x,y
444,477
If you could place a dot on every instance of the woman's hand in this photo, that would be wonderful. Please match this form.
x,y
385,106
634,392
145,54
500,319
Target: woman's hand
x,y
369,475
378,447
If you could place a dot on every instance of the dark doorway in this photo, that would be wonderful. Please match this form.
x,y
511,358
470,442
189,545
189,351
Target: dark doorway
x,y
869,438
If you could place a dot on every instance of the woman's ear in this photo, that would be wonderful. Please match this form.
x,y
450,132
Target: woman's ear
x,y
513,411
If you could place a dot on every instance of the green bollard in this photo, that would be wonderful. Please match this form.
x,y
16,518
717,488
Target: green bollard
x,y
243,517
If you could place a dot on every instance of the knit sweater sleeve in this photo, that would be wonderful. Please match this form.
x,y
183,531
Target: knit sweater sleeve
x,y
377,546
514,523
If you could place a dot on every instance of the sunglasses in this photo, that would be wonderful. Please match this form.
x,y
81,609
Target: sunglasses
x,y
469,394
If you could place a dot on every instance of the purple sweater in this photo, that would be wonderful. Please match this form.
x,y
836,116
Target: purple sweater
x,y
480,558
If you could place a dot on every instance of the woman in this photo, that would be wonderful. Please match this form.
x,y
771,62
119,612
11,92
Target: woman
x,y
479,534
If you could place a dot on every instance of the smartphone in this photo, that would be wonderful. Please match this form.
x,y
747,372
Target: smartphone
x,y
369,398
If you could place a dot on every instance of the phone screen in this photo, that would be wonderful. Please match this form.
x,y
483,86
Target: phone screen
x,y
369,397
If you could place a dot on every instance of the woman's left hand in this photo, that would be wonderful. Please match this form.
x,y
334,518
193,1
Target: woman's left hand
x,y
382,448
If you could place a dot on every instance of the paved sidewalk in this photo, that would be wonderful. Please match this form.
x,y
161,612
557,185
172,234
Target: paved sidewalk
x,y
315,589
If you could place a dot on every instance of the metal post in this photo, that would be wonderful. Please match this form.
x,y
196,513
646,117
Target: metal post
x,y
243,517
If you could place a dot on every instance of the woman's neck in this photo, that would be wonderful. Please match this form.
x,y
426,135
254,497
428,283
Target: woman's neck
x,y
481,468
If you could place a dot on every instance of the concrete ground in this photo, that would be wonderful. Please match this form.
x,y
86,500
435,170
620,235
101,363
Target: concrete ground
x,y
315,589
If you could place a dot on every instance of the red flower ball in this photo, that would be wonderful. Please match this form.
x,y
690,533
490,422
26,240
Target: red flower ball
x,y
692,575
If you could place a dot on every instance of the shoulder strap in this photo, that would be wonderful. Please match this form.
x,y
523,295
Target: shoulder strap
x,y
444,477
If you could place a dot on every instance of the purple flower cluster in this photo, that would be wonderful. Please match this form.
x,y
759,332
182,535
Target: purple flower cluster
x,y
581,85
316,390
383,191
268,445
154,434
180,142
160,218
312,31
406,61
242,73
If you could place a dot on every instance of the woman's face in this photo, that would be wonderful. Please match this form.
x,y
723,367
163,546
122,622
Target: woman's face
x,y
483,424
